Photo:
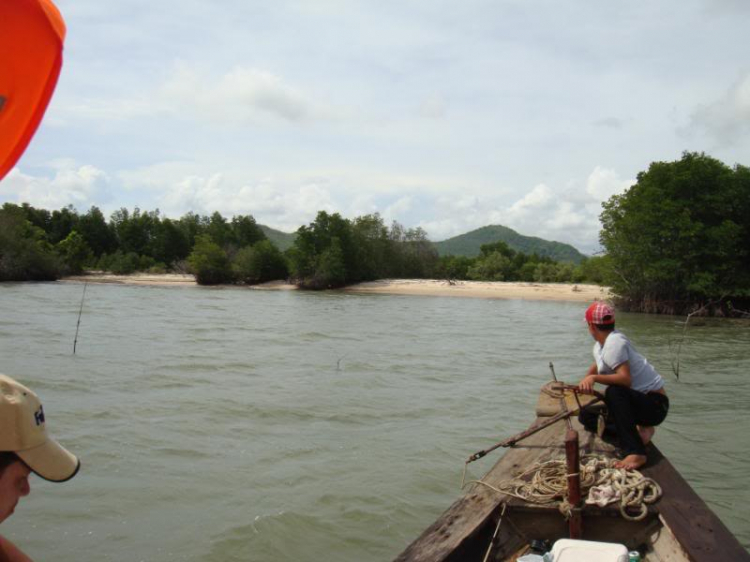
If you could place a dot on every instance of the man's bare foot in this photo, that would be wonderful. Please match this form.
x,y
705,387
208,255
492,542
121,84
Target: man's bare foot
x,y
647,433
631,462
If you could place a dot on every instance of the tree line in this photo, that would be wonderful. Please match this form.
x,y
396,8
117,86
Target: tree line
x,y
36,244
678,240
331,251
499,262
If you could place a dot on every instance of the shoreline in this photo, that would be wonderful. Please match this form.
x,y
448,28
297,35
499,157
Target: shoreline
x,y
416,287
484,289
166,280
151,279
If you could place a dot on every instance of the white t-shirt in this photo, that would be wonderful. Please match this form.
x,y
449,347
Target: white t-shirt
x,y
616,350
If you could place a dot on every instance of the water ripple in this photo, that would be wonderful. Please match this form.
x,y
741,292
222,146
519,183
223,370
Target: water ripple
x,y
258,425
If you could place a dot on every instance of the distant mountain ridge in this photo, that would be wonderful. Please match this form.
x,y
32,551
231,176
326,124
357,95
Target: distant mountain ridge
x,y
282,240
469,244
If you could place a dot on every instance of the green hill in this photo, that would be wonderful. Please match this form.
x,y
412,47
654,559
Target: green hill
x,y
282,240
468,244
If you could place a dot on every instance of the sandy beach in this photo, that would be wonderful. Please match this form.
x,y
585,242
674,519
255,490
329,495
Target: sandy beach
x,y
157,279
165,280
484,289
422,287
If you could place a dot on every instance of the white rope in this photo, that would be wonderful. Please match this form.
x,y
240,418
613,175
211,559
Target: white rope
x,y
548,483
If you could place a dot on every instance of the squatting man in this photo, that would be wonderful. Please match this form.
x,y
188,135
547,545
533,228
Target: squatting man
x,y
635,396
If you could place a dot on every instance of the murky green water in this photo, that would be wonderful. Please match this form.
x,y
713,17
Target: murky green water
x,y
228,425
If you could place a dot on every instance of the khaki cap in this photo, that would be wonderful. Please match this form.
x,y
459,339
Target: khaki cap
x,y
23,431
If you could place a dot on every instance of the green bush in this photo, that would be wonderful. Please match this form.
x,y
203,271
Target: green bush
x,y
455,267
597,270
330,271
208,262
157,269
74,253
680,236
259,263
119,263
24,253
492,267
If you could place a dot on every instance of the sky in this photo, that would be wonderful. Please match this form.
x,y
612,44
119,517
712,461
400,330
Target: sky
x,y
438,114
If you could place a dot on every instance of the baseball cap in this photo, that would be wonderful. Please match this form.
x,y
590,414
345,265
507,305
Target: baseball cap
x,y
23,431
600,313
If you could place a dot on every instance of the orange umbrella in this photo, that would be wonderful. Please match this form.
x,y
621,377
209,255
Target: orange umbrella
x,y
31,39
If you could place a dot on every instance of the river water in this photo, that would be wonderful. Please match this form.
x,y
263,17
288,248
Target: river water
x,y
244,425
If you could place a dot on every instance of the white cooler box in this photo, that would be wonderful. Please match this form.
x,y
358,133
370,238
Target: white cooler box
x,y
569,550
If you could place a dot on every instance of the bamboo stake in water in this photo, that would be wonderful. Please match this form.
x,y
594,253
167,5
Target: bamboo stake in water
x,y
80,311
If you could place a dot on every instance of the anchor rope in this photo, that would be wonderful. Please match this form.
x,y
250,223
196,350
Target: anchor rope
x,y
547,482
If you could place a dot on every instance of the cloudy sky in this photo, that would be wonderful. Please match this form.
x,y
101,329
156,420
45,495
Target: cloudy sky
x,y
441,114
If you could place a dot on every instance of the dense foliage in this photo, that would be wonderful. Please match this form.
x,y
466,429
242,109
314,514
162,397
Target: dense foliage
x,y
333,251
25,254
209,261
469,244
499,262
259,263
677,240
38,244
680,237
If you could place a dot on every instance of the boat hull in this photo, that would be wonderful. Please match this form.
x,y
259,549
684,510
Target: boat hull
x,y
679,527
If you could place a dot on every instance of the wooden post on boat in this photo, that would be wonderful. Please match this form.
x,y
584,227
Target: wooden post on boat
x,y
572,457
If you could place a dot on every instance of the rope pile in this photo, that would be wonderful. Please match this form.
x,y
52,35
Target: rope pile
x,y
547,482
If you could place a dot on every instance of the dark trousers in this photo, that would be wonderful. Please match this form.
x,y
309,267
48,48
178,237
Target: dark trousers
x,y
627,408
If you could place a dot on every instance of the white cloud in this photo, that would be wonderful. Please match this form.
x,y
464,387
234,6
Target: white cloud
x,y
240,94
390,107
273,202
727,119
610,122
539,198
603,183
80,186
726,7
560,216
363,204
397,209
433,107
566,214
110,110
569,214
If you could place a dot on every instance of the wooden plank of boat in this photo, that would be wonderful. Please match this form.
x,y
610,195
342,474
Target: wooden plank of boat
x,y
700,533
680,527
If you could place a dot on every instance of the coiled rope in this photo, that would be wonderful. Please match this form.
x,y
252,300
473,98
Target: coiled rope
x,y
546,482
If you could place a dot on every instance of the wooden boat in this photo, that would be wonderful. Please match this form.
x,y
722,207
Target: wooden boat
x,y
678,527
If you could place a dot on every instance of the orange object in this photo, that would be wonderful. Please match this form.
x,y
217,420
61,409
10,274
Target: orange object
x,y
31,39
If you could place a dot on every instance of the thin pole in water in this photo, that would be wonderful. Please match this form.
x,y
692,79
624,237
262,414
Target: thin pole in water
x,y
563,403
80,311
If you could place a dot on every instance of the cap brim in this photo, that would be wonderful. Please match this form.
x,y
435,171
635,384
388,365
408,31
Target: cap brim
x,y
51,461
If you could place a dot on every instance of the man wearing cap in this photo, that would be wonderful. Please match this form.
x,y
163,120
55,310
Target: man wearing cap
x,y
635,396
25,447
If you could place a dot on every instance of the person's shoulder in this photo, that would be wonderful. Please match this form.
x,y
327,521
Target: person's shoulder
x,y
616,341
617,337
10,552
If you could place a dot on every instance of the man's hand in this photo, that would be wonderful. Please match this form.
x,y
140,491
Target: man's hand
x,y
586,385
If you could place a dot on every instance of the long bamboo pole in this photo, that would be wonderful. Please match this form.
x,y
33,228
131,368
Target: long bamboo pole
x,y
510,441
